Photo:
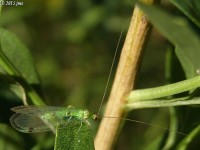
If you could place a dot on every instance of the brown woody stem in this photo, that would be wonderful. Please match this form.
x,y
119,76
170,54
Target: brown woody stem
x,y
136,39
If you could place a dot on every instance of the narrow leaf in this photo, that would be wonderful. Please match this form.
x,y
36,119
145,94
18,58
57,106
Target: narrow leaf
x,y
15,53
177,31
190,8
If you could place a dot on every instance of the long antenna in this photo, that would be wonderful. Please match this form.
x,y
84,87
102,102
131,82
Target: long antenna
x,y
111,69
146,123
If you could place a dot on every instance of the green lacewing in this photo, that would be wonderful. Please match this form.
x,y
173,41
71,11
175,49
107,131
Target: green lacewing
x,y
29,119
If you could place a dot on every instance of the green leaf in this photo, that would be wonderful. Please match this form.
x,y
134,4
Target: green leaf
x,y
15,58
190,8
75,136
177,31
16,61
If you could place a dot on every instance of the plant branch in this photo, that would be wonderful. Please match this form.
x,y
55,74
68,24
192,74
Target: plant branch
x,y
163,103
163,91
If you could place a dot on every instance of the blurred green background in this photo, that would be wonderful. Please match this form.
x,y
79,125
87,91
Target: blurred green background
x,y
73,44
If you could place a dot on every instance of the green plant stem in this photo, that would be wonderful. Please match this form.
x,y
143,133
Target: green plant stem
x,y
125,77
173,130
163,91
162,103
35,97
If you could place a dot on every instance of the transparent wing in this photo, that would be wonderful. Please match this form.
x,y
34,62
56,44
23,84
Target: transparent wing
x,y
41,118
36,109
38,118
28,123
